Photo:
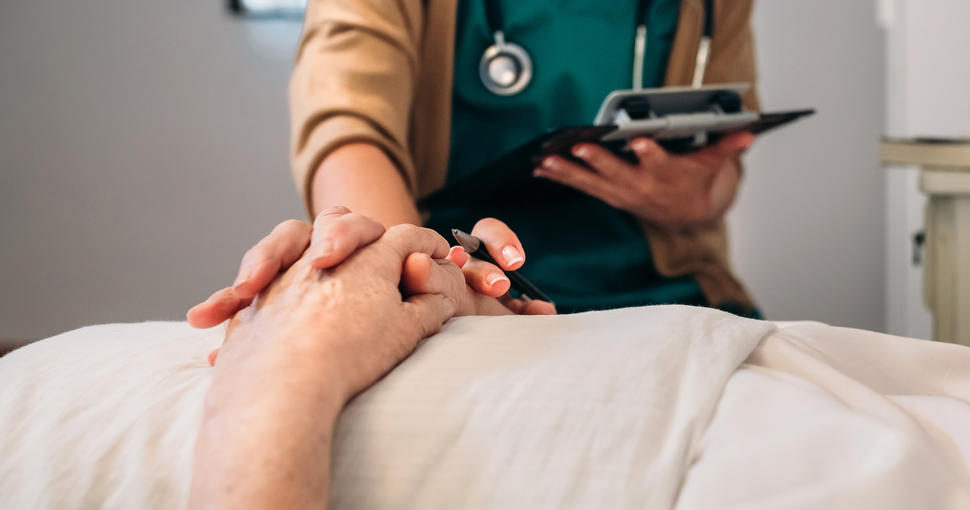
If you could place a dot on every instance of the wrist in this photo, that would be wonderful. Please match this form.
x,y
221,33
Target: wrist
x,y
260,430
362,177
287,365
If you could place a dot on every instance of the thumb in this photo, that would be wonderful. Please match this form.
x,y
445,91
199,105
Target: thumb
x,y
424,275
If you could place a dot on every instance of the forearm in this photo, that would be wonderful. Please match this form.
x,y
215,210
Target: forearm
x,y
361,177
265,436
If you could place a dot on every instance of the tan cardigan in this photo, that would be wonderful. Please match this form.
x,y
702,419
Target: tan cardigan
x,y
380,71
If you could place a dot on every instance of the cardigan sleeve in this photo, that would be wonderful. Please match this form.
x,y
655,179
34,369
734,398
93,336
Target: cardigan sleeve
x,y
702,250
732,58
354,80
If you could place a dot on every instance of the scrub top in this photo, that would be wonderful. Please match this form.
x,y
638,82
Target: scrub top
x,y
583,253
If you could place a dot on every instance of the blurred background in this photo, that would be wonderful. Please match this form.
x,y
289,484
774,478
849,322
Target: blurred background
x,y
143,148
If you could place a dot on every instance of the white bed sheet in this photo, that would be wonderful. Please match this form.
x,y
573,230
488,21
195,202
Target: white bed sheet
x,y
826,417
602,410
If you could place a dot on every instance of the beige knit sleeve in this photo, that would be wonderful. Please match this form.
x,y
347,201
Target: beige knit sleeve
x,y
732,49
354,80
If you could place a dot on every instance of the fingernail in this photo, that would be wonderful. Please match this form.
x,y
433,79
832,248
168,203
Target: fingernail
x,y
512,255
549,163
640,145
494,278
580,151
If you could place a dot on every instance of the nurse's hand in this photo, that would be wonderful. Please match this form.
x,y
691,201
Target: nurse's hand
x,y
336,233
668,190
506,249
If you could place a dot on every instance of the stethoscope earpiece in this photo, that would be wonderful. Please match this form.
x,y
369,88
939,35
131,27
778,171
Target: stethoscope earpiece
x,y
505,68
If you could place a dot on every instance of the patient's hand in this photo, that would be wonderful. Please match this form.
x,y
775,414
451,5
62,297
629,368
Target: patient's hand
x,y
309,342
354,312
335,235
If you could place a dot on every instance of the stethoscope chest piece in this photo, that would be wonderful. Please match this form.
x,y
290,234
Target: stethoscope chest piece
x,y
505,68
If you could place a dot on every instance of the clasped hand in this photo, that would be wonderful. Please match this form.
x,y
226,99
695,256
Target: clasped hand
x,y
307,342
339,237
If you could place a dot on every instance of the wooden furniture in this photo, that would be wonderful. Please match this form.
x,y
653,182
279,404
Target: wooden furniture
x,y
944,176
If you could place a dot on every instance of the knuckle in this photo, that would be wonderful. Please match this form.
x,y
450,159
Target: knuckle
x,y
452,271
399,233
402,229
354,218
253,255
290,226
336,210
337,229
360,221
349,223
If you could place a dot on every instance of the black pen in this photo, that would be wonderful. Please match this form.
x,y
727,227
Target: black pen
x,y
476,248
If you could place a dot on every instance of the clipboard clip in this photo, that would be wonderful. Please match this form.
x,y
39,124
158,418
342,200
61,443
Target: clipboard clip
x,y
675,113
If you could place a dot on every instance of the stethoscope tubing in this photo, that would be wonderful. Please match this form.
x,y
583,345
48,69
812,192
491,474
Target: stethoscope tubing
x,y
517,63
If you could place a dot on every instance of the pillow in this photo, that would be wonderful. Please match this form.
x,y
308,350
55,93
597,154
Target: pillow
x,y
597,410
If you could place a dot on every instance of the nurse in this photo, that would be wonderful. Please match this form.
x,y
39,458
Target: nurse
x,y
392,99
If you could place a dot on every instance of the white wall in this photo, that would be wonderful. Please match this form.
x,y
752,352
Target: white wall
x,y
808,226
143,148
928,77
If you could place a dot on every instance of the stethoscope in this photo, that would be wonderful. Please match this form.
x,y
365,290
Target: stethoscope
x,y
506,68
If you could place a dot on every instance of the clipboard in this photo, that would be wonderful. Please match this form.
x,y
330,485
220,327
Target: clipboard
x,y
680,119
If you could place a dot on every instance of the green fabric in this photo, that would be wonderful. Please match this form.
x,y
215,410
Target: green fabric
x,y
583,253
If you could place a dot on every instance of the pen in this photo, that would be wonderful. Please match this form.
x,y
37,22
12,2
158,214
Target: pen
x,y
475,248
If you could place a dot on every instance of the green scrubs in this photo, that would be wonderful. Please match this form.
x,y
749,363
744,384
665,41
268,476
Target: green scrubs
x,y
585,254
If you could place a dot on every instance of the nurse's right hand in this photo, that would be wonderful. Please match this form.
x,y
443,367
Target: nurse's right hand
x,y
335,235
506,249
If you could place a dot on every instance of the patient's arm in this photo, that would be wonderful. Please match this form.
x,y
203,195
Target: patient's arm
x,y
292,360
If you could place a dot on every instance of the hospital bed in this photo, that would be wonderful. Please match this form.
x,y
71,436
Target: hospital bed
x,y
654,407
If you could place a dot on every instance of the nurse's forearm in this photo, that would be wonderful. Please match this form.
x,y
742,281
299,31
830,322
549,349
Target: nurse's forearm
x,y
362,177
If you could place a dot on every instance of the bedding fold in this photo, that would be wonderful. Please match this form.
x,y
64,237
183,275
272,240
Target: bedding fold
x,y
654,407
594,410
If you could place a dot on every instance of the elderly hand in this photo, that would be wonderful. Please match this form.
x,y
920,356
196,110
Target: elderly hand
x,y
667,190
310,341
355,311
335,235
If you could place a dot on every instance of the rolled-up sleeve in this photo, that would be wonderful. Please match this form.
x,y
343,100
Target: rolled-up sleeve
x,y
354,80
